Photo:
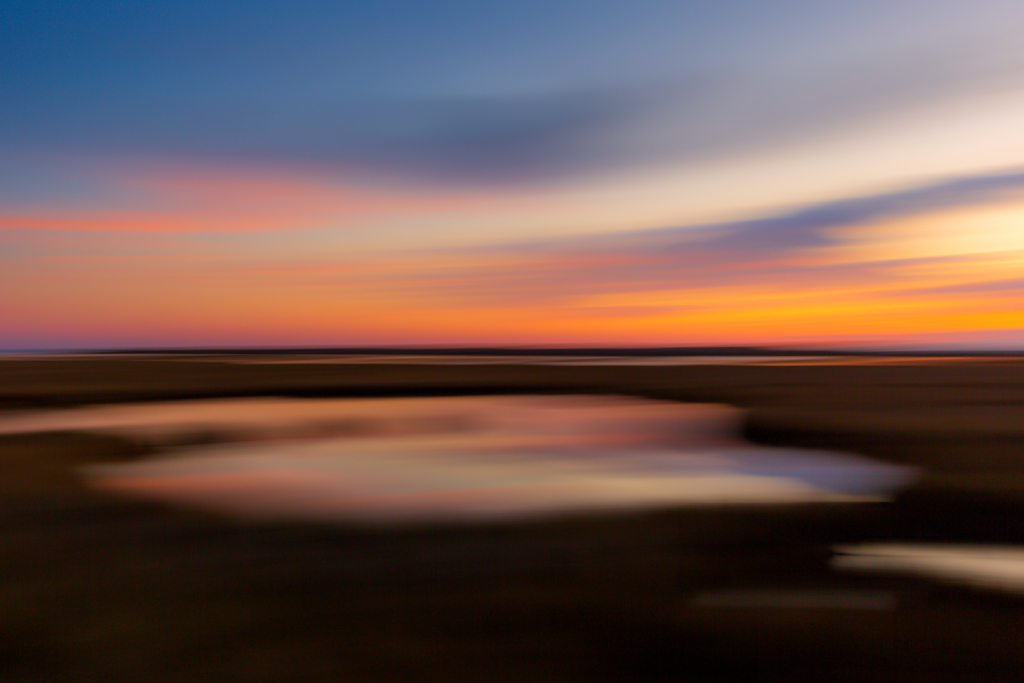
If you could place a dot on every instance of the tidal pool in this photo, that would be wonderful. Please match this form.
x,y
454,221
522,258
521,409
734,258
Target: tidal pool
x,y
994,567
463,458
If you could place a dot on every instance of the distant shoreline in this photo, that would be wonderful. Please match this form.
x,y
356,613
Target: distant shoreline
x,y
512,351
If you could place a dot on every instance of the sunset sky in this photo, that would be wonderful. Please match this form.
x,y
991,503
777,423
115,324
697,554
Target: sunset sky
x,y
232,173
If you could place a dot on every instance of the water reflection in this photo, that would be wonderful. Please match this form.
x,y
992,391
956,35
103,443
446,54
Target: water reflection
x,y
982,566
458,458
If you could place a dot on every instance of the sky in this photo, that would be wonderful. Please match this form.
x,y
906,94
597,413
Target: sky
x,y
566,172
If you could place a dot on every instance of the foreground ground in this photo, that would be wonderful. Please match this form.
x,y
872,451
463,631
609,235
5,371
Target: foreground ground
x,y
98,588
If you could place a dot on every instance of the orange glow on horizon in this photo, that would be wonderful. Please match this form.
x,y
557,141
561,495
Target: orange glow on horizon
x,y
128,277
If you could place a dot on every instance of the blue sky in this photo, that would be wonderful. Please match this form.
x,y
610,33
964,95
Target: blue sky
x,y
405,136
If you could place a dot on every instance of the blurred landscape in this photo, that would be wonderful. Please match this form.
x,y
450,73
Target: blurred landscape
x,y
534,340
99,586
